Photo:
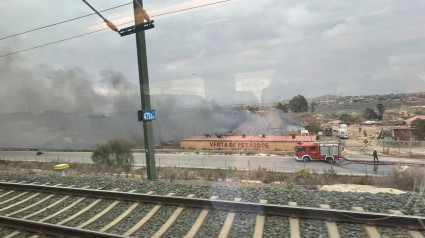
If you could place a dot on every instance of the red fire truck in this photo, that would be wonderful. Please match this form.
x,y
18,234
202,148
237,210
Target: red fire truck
x,y
328,152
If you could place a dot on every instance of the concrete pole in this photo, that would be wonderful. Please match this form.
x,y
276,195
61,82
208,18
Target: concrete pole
x,y
144,92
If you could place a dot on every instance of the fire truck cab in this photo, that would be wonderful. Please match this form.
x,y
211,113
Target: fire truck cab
x,y
329,152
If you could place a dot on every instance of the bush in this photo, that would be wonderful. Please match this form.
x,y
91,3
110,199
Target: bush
x,y
419,128
370,114
348,118
115,153
302,173
313,127
169,173
282,107
309,180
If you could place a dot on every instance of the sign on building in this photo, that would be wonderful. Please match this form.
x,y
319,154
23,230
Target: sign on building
x,y
400,143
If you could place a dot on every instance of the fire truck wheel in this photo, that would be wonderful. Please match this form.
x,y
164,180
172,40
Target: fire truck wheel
x,y
329,160
306,159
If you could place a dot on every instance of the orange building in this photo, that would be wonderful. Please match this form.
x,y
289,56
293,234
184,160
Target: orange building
x,y
260,143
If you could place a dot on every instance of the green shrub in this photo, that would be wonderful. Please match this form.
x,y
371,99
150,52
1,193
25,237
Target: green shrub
x,y
313,127
309,180
302,173
115,153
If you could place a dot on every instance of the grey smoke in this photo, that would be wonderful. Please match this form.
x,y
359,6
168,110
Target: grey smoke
x,y
268,123
60,108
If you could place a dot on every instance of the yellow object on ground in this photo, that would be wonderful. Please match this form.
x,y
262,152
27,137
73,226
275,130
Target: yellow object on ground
x,y
61,166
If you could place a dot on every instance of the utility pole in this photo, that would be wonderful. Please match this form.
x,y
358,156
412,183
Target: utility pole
x,y
144,90
146,114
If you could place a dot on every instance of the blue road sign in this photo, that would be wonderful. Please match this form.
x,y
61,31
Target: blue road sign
x,y
148,115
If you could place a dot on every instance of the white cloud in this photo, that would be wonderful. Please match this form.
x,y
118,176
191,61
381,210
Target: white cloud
x,y
408,60
254,82
298,16
191,86
350,33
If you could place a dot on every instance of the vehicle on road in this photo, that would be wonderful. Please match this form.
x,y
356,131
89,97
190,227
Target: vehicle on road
x,y
371,123
400,123
328,131
329,152
304,133
342,133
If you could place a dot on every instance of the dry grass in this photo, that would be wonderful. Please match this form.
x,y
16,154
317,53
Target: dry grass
x,y
412,179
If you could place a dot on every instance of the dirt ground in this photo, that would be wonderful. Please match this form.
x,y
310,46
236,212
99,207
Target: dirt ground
x,y
356,142
360,189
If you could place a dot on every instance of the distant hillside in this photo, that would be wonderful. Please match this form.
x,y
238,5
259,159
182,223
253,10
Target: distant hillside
x,y
324,97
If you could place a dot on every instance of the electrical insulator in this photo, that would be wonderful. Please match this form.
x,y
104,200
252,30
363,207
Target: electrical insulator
x,y
145,15
111,25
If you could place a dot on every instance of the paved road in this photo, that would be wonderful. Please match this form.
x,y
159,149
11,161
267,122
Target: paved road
x,y
273,163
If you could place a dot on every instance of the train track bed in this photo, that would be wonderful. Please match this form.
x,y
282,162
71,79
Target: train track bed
x,y
408,203
243,224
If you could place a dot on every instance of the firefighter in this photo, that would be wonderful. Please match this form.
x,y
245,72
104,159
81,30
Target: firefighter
x,y
375,155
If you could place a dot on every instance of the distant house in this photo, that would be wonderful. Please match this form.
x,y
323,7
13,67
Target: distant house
x,y
403,133
410,120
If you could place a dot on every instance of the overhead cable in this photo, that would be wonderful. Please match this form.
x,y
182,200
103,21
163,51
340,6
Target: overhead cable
x,y
92,32
61,22
108,23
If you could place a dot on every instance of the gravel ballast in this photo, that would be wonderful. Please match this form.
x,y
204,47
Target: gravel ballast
x,y
409,203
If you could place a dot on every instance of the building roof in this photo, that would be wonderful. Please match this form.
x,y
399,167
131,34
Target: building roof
x,y
252,138
402,128
408,121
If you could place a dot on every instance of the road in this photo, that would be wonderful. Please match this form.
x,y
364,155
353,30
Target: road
x,y
243,162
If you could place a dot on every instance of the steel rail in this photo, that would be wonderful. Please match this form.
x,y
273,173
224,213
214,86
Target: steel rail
x,y
369,218
51,229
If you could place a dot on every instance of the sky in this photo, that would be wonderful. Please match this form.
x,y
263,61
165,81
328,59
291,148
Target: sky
x,y
232,52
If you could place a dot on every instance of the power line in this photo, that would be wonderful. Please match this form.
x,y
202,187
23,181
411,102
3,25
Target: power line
x,y
92,32
61,22
54,42
190,8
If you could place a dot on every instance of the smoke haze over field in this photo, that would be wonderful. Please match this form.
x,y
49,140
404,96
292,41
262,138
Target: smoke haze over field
x,y
50,108
81,92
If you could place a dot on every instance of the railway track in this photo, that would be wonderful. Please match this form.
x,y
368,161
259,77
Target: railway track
x,y
36,210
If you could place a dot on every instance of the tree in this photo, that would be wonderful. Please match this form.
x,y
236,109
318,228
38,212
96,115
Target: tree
x,y
253,108
419,128
345,118
313,127
298,104
282,107
115,153
381,110
348,118
370,114
312,107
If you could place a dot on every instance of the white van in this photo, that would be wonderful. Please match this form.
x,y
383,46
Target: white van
x,y
342,133
304,133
